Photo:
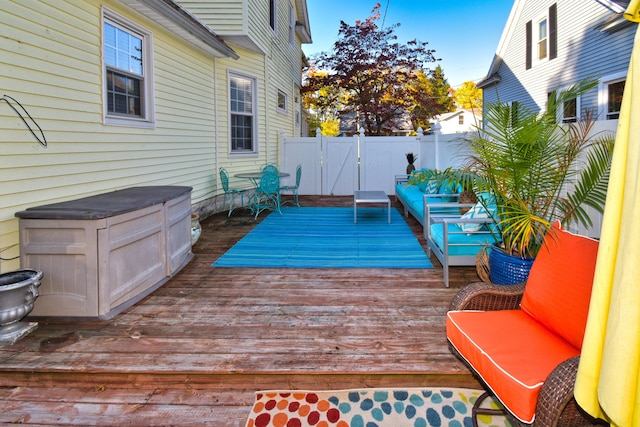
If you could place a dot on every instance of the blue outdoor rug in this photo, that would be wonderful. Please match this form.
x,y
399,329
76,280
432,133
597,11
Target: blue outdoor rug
x,y
328,238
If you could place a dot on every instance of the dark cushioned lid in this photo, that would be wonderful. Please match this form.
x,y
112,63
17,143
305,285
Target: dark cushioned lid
x,y
107,204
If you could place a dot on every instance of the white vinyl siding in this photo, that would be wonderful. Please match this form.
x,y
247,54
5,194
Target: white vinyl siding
x,y
228,18
582,51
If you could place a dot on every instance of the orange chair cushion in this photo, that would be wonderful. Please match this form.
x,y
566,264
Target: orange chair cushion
x,y
512,353
559,285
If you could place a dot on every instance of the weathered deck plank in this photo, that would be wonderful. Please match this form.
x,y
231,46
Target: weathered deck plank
x,y
195,350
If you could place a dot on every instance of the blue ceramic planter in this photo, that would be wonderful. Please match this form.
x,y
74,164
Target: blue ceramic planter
x,y
505,269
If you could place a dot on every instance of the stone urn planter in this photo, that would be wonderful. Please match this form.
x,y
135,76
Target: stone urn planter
x,y
196,228
18,292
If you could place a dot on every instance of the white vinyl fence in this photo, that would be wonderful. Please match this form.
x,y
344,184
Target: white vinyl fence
x,y
340,165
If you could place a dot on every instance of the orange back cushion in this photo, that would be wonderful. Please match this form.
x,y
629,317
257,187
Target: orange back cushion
x,y
559,286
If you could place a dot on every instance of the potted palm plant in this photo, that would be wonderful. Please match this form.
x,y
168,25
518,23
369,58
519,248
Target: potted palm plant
x,y
539,170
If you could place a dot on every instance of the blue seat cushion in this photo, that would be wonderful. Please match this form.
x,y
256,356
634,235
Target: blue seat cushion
x,y
412,196
460,243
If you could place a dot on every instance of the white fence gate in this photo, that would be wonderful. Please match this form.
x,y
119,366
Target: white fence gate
x,y
340,165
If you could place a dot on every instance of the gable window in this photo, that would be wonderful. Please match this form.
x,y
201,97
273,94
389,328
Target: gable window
x,y
127,70
542,38
242,113
461,119
282,102
273,15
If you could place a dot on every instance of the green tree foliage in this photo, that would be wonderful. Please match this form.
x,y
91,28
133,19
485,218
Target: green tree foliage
x,y
468,96
371,74
324,102
429,96
328,127
441,91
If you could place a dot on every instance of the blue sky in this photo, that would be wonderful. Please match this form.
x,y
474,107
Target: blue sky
x,y
464,33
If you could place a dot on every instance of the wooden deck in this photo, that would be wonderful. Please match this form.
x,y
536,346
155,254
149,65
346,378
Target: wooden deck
x,y
194,351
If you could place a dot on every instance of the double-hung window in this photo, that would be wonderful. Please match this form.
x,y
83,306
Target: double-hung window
x,y
242,109
543,39
127,72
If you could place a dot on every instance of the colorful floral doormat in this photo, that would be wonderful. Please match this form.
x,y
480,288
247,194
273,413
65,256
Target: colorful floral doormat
x,y
370,408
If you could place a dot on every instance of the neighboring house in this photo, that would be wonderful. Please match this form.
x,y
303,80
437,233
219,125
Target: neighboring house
x,y
143,92
548,45
459,121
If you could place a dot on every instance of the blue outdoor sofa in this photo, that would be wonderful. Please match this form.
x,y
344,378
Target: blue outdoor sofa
x,y
454,238
416,190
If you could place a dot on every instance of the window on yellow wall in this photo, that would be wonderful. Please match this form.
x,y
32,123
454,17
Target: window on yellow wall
x,y
242,109
282,102
128,72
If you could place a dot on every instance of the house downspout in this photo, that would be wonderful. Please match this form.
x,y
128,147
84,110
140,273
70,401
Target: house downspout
x,y
216,160
267,114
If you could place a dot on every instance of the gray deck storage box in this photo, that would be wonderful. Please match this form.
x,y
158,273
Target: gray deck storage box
x,y
103,253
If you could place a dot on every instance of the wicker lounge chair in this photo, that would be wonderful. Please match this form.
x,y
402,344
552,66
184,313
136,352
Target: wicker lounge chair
x,y
523,341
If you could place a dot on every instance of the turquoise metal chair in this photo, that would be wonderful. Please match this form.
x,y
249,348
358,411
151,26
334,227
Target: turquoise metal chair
x,y
230,192
270,168
267,195
293,188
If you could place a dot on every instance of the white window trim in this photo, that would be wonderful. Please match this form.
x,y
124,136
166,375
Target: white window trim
x,y
148,111
292,25
564,120
280,110
535,38
254,108
603,92
560,108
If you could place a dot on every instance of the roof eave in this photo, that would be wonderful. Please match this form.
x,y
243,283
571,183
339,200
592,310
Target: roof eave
x,y
182,23
303,29
488,81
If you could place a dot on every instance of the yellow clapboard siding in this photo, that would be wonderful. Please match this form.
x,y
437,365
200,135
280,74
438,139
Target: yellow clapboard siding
x,y
224,17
